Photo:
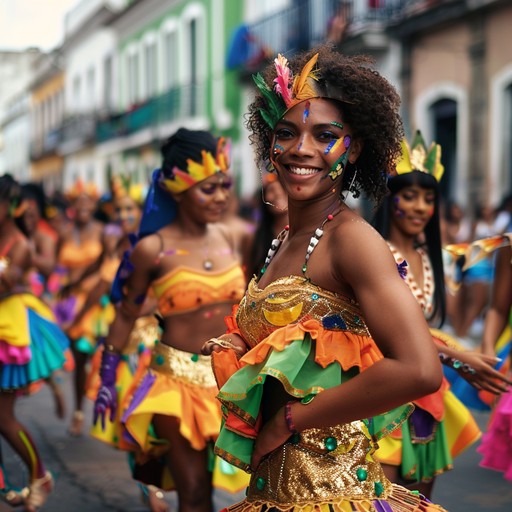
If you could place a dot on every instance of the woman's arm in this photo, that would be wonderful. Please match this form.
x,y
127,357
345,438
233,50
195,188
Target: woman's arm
x,y
19,261
410,368
143,259
501,301
44,254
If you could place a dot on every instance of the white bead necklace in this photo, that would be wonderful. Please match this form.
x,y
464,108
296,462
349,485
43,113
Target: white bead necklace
x,y
313,242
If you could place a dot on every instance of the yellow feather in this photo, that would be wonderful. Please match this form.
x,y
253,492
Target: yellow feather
x,y
301,82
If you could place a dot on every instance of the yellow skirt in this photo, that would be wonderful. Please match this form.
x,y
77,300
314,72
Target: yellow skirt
x,y
178,384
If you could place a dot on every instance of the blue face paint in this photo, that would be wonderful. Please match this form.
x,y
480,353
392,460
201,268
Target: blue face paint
x,y
329,146
278,149
305,115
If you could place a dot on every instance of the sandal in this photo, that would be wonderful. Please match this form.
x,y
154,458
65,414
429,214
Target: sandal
x,y
38,492
153,497
13,497
77,424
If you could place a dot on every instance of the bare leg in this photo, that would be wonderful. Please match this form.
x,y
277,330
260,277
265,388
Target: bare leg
x,y
77,421
189,467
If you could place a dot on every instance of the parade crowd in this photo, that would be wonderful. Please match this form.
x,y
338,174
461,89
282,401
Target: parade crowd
x,y
258,347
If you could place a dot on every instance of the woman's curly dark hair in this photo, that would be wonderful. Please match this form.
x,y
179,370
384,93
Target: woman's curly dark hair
x,y
371,111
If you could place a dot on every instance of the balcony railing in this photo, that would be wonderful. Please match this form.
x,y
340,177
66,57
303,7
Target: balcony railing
x,y
176,103
45,145
306,24
77,132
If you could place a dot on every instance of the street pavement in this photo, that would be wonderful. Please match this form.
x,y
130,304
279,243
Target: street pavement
x,y
93,477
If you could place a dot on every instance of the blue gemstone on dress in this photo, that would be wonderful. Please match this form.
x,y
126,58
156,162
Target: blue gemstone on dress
x,y
260,483
160,360
330,443
314,296
334,322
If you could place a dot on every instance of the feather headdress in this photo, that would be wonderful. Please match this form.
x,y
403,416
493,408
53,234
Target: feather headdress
x,y
417,158
121,186
287,90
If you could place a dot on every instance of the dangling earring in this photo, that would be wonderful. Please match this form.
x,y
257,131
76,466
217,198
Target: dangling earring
x,y
352,188
274,177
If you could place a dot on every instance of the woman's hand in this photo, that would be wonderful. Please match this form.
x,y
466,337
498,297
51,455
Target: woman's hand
x,y
225,342
274,434
485,376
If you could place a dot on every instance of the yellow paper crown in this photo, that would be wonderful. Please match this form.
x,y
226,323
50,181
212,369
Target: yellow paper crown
x,y
79,188
417,158
122,186
182,180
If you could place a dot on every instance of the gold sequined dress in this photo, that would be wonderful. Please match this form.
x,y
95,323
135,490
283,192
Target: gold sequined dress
x,y
310,339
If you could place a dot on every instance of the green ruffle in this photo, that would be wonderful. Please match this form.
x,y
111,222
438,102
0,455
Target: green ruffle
x,y
300,376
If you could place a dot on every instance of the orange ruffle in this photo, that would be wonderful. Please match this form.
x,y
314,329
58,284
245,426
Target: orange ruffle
x,y
346,348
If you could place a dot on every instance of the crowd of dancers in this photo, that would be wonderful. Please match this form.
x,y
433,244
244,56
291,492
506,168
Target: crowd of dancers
x,y
261,353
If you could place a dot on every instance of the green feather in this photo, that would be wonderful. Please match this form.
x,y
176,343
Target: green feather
x,y
276,106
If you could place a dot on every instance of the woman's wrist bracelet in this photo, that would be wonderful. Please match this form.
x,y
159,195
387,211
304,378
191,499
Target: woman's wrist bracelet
x,y
110,348
288,418
456,364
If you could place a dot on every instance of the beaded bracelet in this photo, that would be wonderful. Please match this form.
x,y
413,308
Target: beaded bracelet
x,y
288,418
456,364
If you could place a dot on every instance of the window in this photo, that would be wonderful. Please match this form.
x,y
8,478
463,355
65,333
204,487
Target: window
x,y
151,69
171,59
108,101
133,78
444,122
91,97
77,92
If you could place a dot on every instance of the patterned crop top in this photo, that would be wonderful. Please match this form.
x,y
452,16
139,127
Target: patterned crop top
x,y
185,289
292,300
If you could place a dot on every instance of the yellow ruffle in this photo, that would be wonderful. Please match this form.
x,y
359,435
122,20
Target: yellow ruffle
x,y
196,408
14,328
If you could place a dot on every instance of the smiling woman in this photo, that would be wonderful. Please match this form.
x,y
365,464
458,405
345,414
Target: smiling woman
x,y
328,324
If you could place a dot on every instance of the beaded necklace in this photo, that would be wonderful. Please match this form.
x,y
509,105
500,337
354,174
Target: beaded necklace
x,y
313,242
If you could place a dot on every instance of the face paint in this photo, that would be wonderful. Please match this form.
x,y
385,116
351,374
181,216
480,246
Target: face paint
x,y
341,162
300,144
305,115
398,211
339,125
278,150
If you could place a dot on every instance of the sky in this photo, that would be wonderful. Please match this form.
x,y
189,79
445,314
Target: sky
x,y
25,23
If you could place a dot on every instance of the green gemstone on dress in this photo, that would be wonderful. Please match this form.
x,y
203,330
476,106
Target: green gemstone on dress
x,y
379,488
357,320
307,399
262,271
160,360
253,304
417,493
330,443
457,364
195,357
304,268
295,438
260,483
362,474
